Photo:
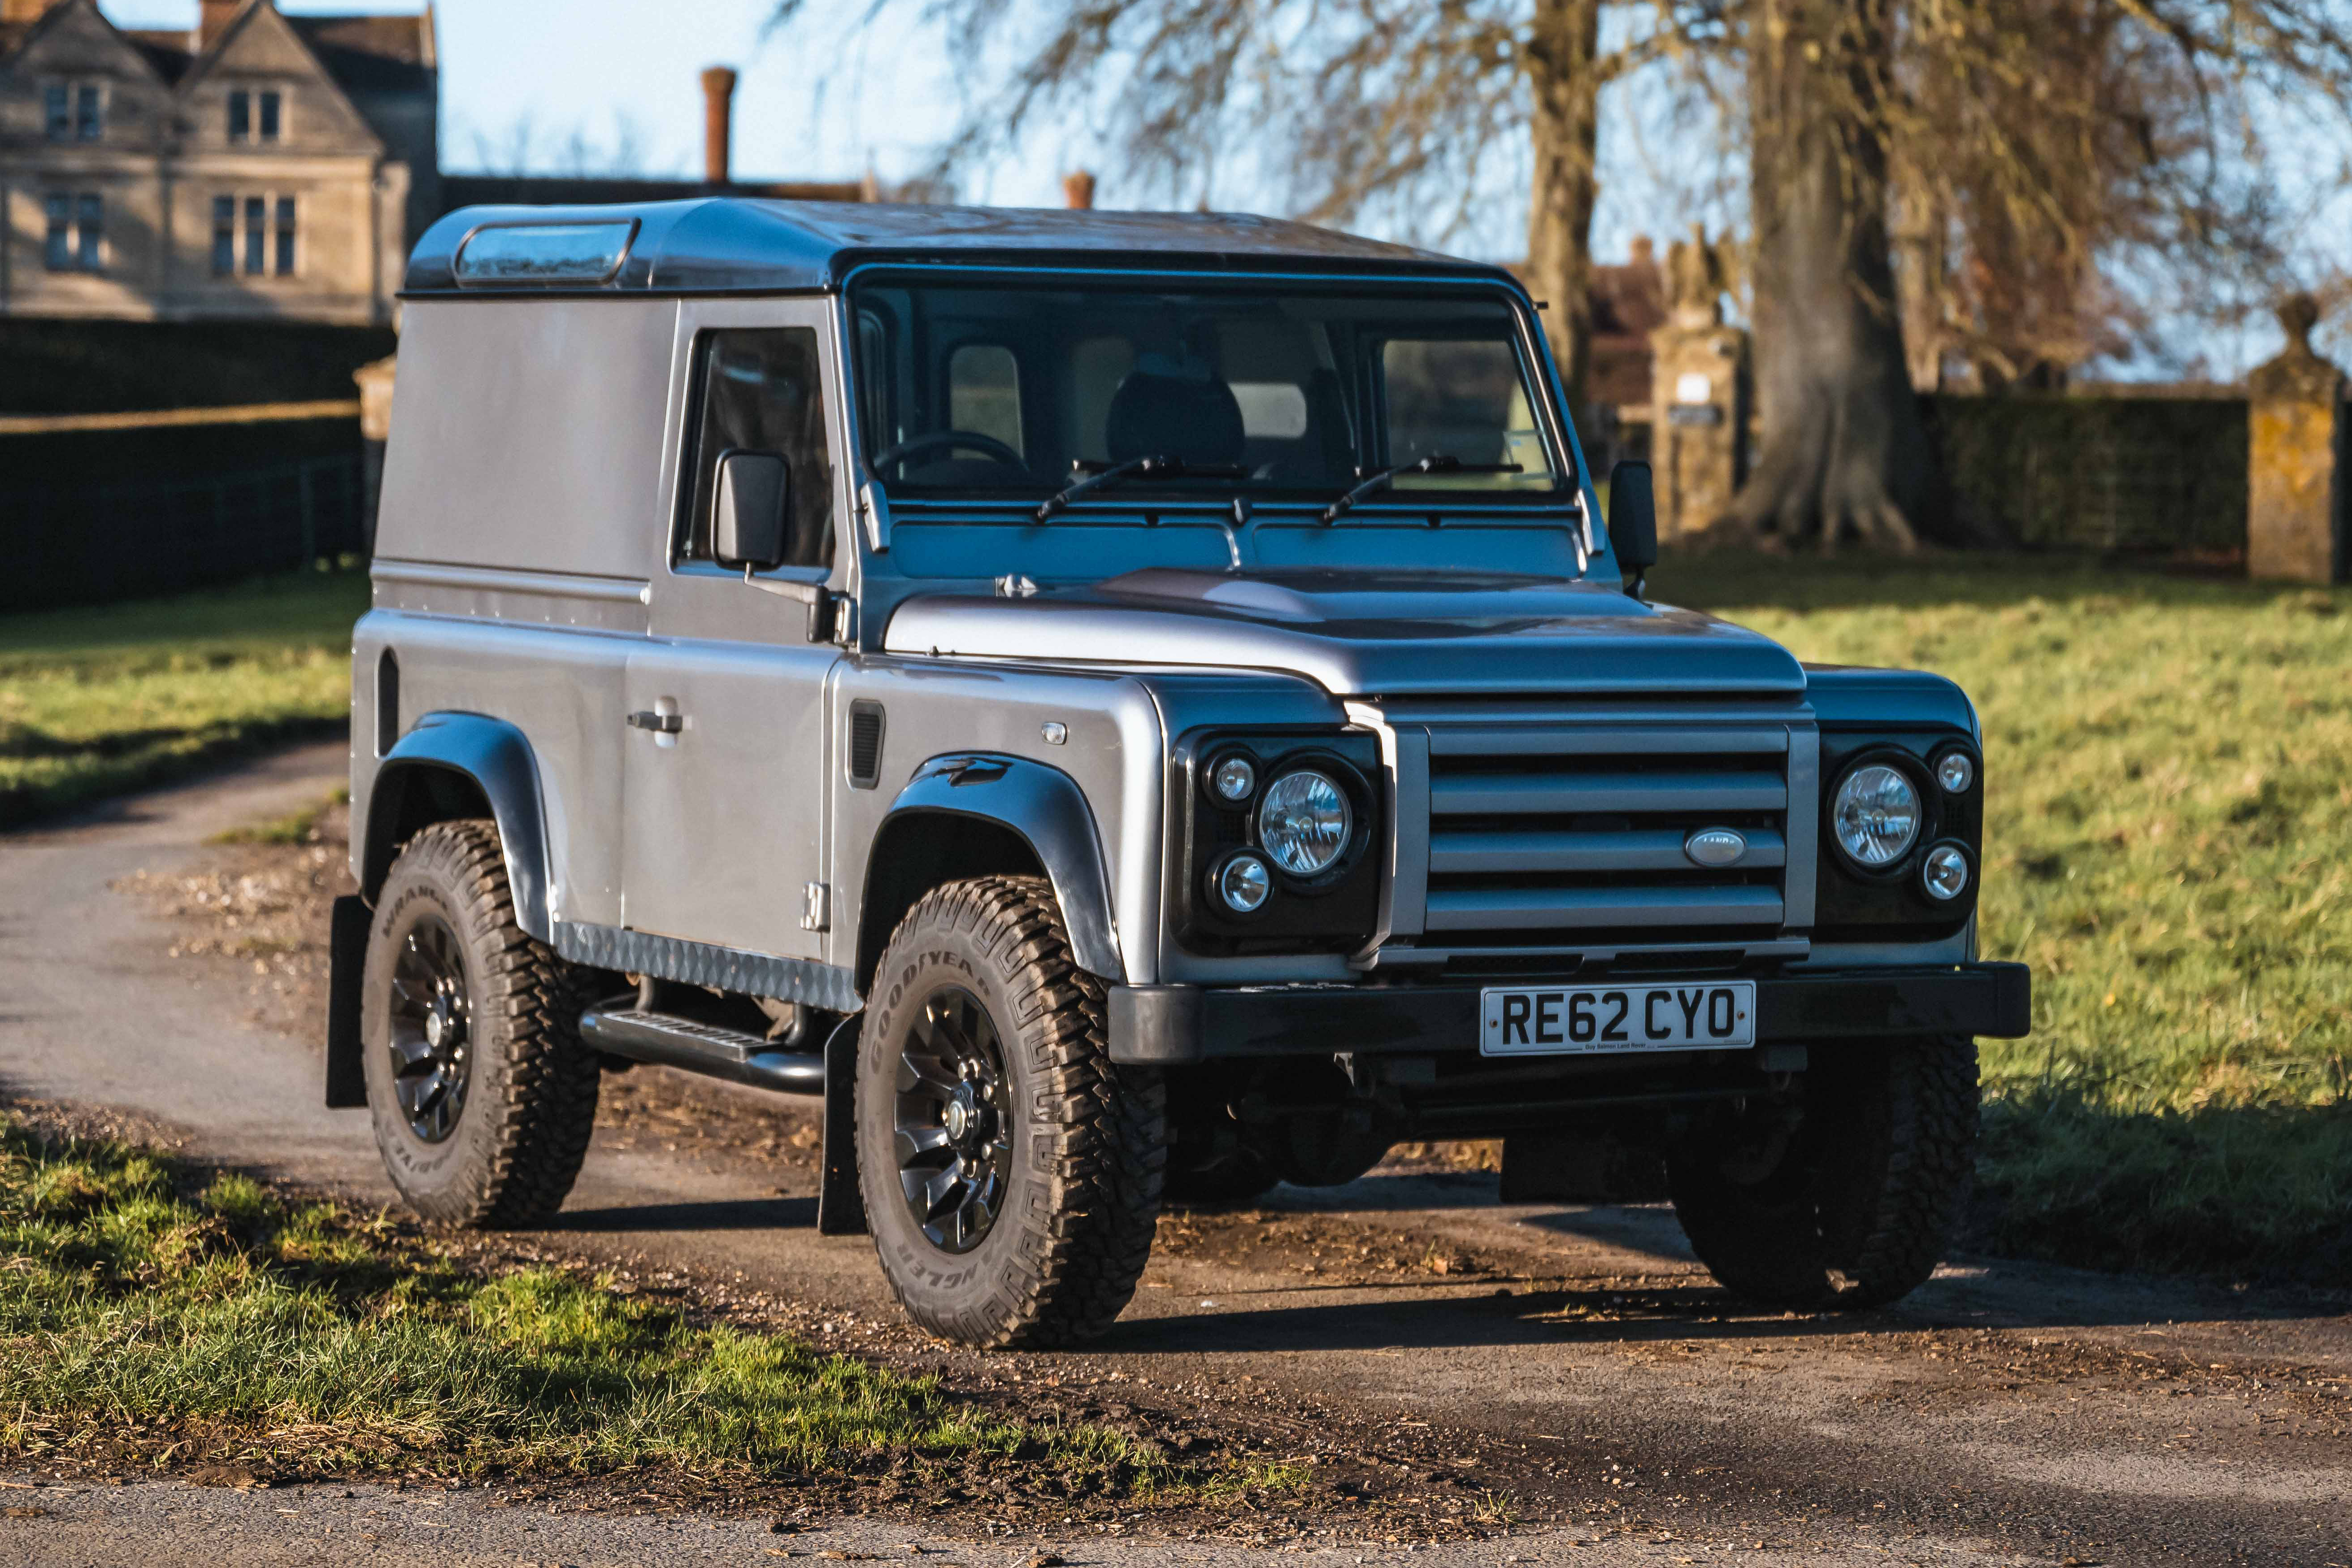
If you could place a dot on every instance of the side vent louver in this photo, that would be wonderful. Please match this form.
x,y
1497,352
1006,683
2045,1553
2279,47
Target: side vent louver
x,y
864,744
387,701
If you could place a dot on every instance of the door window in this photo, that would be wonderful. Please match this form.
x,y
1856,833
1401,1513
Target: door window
x,y
757,390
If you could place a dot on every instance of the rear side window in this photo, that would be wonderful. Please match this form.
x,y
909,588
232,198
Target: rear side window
x,y
757,390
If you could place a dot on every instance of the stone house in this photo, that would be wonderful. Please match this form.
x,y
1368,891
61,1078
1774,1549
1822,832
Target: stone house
x,y
261,166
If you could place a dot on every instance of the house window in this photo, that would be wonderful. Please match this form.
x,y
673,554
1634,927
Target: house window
x,y
57,102
269,227
87,120
90,213
241,117
270,117
256,236
77,236
223,237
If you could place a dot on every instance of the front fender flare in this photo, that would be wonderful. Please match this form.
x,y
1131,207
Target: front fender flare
x,y
1045,807
496,758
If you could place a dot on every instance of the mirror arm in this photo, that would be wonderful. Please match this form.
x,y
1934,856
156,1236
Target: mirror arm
x,y
827,611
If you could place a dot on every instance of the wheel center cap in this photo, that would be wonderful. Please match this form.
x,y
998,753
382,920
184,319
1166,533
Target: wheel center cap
x,y
436,1027
959,1118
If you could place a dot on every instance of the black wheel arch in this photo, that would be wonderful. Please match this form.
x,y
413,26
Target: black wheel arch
x,y
449,767
972,814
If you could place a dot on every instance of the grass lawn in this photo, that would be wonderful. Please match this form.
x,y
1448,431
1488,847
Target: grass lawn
x,y
97,701
2168,767
149,1315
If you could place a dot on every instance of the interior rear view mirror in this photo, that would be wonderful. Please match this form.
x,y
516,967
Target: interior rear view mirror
x,y
1633,519
747,526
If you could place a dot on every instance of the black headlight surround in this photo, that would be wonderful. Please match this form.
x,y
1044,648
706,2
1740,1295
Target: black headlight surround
x,y
1855,903
1332,913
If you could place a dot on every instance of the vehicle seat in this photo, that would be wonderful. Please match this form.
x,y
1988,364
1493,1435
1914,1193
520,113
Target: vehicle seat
x,y
1194,419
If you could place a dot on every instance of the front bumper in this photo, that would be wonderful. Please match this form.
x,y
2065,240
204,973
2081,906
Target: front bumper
x,y
1169,1025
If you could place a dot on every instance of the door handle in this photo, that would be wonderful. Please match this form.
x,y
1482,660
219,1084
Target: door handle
x,y
659,723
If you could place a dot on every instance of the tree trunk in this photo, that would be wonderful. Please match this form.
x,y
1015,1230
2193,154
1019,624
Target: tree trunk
x,y
1563,73
1846,456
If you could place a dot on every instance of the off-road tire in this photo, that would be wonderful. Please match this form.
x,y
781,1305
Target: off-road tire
x,y
1858,1206
531,1102
1070,1240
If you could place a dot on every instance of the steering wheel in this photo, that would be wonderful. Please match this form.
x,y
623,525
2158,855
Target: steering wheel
x,y
988,446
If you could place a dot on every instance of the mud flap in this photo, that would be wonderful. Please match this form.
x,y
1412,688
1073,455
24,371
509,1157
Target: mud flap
x,y
347,940
840,1206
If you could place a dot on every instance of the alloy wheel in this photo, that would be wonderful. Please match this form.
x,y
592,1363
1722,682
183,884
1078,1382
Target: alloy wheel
x,y
954,1130
432,1030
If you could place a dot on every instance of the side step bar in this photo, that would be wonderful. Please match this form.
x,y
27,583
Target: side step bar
x,y
671,1041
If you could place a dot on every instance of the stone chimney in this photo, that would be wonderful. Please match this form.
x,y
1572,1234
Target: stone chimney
x,y
212,18
718,124
1645,253
1078,191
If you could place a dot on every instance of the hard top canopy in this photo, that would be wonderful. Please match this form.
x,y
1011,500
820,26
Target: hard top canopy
x,y
740,245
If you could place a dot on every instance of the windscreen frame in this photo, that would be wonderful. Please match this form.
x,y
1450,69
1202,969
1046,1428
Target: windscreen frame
x,y
1538,371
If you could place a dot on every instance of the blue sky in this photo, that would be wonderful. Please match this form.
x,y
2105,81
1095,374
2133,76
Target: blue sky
x,y
587,68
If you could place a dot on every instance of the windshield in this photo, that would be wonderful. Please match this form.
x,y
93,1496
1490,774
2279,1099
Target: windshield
x,y
1274,390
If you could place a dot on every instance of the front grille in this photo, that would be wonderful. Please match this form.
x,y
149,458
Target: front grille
x,y
1574,832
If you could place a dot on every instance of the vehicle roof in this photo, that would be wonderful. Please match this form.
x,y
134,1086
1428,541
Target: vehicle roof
x,y
737,245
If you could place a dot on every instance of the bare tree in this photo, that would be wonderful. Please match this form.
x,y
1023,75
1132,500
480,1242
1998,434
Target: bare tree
x,y
1413,110
2036,150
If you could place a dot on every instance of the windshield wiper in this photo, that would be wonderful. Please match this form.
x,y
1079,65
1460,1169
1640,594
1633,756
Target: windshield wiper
x,y
1436,463
1173,468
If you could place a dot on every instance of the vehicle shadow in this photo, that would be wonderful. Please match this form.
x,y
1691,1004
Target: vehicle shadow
x,y
1976,1294
733,1214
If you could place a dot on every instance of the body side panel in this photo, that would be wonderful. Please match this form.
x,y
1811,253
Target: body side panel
x,y
560,690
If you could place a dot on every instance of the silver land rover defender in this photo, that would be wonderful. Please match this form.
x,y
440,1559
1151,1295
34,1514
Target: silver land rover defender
x,y
1118,705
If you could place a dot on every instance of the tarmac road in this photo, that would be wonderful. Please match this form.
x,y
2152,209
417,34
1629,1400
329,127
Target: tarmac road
x,y
2006,1413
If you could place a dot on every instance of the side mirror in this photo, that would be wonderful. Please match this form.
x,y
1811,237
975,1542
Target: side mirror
x,y
1632,521
746,525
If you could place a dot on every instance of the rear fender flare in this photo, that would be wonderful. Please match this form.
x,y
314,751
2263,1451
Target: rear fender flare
x,y
494,757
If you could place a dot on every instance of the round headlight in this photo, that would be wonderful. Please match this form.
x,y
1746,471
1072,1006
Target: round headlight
x,y
1303,823
1243,883
1876,816
1954,772
1232,781
1944,873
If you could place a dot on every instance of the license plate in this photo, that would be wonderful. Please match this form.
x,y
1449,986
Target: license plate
x,y
1600,1020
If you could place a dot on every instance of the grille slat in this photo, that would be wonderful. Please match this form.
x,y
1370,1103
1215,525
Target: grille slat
x,y
1564,794
1534,850
1584,908
1600,741
1560,827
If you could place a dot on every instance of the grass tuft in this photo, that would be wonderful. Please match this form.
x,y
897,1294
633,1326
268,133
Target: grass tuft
x,y
148,1320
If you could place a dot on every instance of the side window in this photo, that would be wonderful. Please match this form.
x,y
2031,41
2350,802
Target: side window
x,y
985,393
757,390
